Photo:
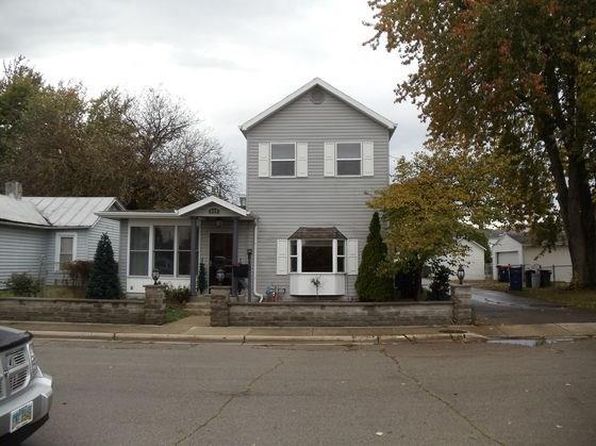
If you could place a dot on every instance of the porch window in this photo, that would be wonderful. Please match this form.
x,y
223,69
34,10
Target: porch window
x,y
283,159
139,251
184,250
163,249
349,158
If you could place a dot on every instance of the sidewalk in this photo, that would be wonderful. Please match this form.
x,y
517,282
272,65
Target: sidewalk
x,y
195,329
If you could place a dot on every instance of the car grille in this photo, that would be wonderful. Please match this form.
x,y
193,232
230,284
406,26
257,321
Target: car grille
x,y
15,371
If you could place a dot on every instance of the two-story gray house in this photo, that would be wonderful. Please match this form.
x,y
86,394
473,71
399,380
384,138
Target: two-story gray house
x,y
313,159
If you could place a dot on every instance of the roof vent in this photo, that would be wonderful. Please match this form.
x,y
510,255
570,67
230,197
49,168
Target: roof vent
x,y
317,96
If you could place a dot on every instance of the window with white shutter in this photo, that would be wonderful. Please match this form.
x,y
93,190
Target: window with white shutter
x,y
282,257
302,159
263,159
329,159
352,256
368,158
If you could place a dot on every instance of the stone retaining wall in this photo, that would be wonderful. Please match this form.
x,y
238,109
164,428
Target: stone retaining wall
x,y
341,314
151,310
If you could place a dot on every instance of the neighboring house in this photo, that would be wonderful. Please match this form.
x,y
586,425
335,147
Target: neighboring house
x,y
511,248
473,262
38,235
313,158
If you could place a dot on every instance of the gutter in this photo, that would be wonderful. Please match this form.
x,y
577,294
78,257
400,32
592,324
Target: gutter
x,y
254,278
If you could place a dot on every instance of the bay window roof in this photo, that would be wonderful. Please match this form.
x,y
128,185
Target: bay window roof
x,y
306,233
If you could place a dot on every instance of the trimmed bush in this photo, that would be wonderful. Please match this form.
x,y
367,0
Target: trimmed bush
x,y
103,280
23,285
177,295
372,284
439,287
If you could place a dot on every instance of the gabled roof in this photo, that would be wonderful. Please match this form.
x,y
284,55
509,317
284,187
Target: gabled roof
x,y
63,212
390,125
184,211
212,200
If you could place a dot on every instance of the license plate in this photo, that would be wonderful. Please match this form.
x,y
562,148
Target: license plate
x,y
23,415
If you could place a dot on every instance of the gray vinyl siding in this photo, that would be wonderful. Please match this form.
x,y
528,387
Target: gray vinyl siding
x,y
109,226
22,250
284,204
123,253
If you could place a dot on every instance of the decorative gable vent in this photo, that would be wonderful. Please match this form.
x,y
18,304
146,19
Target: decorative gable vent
x,y
317,96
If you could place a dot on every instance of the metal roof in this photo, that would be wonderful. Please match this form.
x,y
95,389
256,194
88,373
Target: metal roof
x,y
20,211
71,211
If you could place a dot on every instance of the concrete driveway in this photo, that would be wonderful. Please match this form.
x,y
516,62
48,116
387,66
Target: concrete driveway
x,y
496,307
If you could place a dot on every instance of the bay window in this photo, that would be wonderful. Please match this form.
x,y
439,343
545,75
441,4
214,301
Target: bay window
x,y
317,256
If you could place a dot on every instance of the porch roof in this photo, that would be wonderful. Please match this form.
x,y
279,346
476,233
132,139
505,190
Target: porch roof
x,y
186,211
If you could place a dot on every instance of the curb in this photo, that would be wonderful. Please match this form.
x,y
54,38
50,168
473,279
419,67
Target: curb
x,y
263,339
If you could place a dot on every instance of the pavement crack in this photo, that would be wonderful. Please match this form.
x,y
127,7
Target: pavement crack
x,y
232,397
445,402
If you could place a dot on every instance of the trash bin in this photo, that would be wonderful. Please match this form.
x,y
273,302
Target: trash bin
x,y
528,276
502,273
545,278
535,279
515,278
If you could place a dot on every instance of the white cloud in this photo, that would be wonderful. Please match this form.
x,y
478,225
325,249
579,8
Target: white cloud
x,y
228,60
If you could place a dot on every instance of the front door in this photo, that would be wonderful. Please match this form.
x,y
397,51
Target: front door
x,y
220,257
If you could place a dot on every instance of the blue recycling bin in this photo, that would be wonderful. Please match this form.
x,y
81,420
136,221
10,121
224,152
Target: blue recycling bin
x,y
516,278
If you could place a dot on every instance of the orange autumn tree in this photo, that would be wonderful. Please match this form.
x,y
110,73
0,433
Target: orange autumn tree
x,y
517,80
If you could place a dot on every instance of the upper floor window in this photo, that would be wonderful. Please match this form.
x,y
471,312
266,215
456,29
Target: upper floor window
x,y
283,159
349,158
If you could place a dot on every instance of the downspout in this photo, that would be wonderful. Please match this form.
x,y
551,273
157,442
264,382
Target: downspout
x,y
254,269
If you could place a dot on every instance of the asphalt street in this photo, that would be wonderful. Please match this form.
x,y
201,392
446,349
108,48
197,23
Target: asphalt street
x,y
216,394
496,307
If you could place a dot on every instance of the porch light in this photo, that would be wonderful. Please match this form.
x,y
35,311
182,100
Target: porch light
x,y
461,274
220,275
155,276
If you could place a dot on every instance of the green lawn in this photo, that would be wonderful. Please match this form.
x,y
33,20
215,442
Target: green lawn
x,y
175,313
558,293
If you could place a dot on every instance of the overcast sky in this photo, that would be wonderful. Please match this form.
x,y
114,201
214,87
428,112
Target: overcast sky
x,y
227,59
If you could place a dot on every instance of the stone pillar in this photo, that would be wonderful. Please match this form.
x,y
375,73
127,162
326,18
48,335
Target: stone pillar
x,y
463,314
155,304
220,310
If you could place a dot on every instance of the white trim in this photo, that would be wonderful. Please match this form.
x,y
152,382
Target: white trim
x,y
367,151
58,236
263,159
271,160
324,85
328,159
301,159
212,200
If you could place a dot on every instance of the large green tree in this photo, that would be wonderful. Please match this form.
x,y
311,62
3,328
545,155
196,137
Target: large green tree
x,y
148,150
515,79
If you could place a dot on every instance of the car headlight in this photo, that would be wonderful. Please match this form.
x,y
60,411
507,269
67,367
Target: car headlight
x,y
35,370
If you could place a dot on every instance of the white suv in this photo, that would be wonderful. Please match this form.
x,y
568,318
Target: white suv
x,y
25,391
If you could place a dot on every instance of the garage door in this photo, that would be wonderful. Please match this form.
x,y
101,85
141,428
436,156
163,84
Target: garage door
x,y
507,258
